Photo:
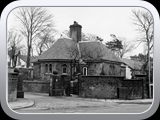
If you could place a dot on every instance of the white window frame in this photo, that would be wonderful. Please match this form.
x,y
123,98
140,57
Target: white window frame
x,y
84,71
64,66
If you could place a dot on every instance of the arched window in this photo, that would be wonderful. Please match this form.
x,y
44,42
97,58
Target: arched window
x,y
64,68
46,68
50,68
85,71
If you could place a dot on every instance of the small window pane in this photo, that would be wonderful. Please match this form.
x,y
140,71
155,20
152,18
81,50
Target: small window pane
x,y
46,68
50,68
64,68
84,71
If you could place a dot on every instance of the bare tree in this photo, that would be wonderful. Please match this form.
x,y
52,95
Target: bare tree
x,y
85,36
66,33
144,22
14,46
34,21
90,37
84,54
128,46
73,52
45,40
95,53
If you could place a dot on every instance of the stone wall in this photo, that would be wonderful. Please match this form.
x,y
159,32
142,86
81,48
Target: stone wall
x,y
99,86
110,87
36,86
104,69
131,89
12,86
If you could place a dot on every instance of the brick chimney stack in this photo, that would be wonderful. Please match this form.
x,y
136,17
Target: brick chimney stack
x,y
75,32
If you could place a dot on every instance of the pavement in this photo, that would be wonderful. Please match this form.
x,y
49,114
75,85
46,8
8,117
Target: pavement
x,y
28,101
21,103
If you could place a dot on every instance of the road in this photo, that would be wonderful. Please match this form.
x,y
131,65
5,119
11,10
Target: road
x,y
123,108
46,104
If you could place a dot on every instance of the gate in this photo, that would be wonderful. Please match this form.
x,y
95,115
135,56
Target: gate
x,y
56,85
61,85
74,89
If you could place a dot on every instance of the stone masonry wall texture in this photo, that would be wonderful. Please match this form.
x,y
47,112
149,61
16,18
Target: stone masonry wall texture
x,y
39,70
36,86
109,87
131,89
102,87
12,87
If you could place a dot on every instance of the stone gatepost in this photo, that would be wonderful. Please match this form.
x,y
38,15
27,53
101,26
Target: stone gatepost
x,y
20,92
66,84
12,86
56,85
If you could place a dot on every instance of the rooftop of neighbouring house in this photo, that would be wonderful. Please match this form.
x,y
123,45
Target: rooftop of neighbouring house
x,y
132,63
24,58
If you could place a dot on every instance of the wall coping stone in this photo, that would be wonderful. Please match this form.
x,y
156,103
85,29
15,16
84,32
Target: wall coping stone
x,y
40,82
102,76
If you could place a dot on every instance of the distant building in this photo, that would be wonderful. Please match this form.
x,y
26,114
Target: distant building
x,y
132,67
21,61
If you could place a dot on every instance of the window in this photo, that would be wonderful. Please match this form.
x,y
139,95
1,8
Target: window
x,y
50,68
46,68
75,69
39,69
112,70
85,71
112,66
64,68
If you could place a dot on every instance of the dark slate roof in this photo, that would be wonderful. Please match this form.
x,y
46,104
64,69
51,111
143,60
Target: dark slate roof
x,y
96,50
132,64
60,50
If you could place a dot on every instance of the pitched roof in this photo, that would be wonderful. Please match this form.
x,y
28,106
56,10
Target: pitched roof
x,y
24,58
132,64
58,50
63,47
96,50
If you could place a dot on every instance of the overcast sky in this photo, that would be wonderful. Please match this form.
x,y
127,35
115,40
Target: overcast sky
x,y
101,21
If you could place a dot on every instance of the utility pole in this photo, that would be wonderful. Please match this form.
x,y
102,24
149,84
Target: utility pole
x,y
149,70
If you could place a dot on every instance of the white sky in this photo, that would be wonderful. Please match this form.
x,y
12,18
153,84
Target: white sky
x,y
101,21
